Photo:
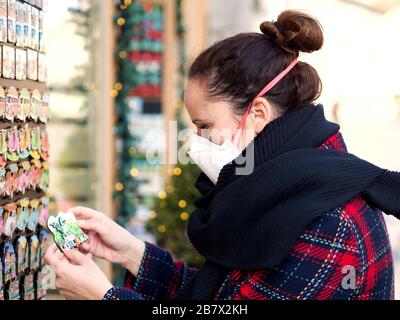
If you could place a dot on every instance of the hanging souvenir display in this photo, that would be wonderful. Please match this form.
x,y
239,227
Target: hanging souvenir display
x,y
24,151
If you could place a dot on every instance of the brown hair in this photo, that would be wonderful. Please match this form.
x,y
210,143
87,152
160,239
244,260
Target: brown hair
x,y
237,68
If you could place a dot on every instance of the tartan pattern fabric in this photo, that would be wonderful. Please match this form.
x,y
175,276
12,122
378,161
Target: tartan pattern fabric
x,y
343,255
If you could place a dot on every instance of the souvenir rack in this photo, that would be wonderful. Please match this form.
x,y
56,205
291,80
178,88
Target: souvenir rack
x,y
24,151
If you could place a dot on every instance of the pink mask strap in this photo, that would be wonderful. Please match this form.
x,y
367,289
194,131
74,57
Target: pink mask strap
x,y
268,87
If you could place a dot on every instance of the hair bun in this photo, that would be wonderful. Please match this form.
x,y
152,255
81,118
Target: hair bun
x,y
295,31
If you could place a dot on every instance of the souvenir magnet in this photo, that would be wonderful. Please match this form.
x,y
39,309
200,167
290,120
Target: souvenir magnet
x,y
10,219
25,103
44,244
12,104
44,177
2,181
34,215
12,180
34,254
23,181
22,247
36,143
13,144
24,142
22,214
27,24
45,279
28,292
44,211
1,281
34,28
10,272
66,231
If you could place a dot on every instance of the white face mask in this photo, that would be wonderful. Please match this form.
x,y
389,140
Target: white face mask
x,y
211,157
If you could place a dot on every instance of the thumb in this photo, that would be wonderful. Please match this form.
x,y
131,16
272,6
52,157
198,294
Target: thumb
x,y
75,256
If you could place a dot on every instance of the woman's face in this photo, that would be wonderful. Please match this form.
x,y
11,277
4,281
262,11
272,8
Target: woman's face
x,y
216,120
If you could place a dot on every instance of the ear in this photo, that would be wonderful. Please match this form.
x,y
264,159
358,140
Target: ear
x,y
261,114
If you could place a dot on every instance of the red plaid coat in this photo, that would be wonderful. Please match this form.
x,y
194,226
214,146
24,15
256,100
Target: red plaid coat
x,y
344,254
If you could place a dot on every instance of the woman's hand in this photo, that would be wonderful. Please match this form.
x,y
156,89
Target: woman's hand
x,y
77,275
108,240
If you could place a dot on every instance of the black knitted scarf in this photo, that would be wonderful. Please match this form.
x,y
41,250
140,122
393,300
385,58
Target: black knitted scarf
x,y
253,221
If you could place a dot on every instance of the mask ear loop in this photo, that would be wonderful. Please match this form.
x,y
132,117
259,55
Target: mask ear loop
x,y
268,87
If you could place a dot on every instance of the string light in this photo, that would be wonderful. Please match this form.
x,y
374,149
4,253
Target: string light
x,y
184,216
152,214
119,186
182,204
114,93
123,54
134,172
162,194
118,86
177,171
121,21
161,228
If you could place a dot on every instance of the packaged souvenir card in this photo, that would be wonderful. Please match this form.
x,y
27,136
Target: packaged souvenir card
x,y
22,247
27,24
11,18
42,42
21,64
8,62
19,24
42,72
3,20
66,231
32,65
10,272
34,28
1,281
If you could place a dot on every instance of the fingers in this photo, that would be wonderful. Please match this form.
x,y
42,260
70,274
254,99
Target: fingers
x,y
76,257
84,213
92,225
52,257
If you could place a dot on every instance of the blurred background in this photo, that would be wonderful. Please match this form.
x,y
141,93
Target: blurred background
x,y
116,70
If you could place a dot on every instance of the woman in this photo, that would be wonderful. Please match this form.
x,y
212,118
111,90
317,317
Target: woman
x,y
293,216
